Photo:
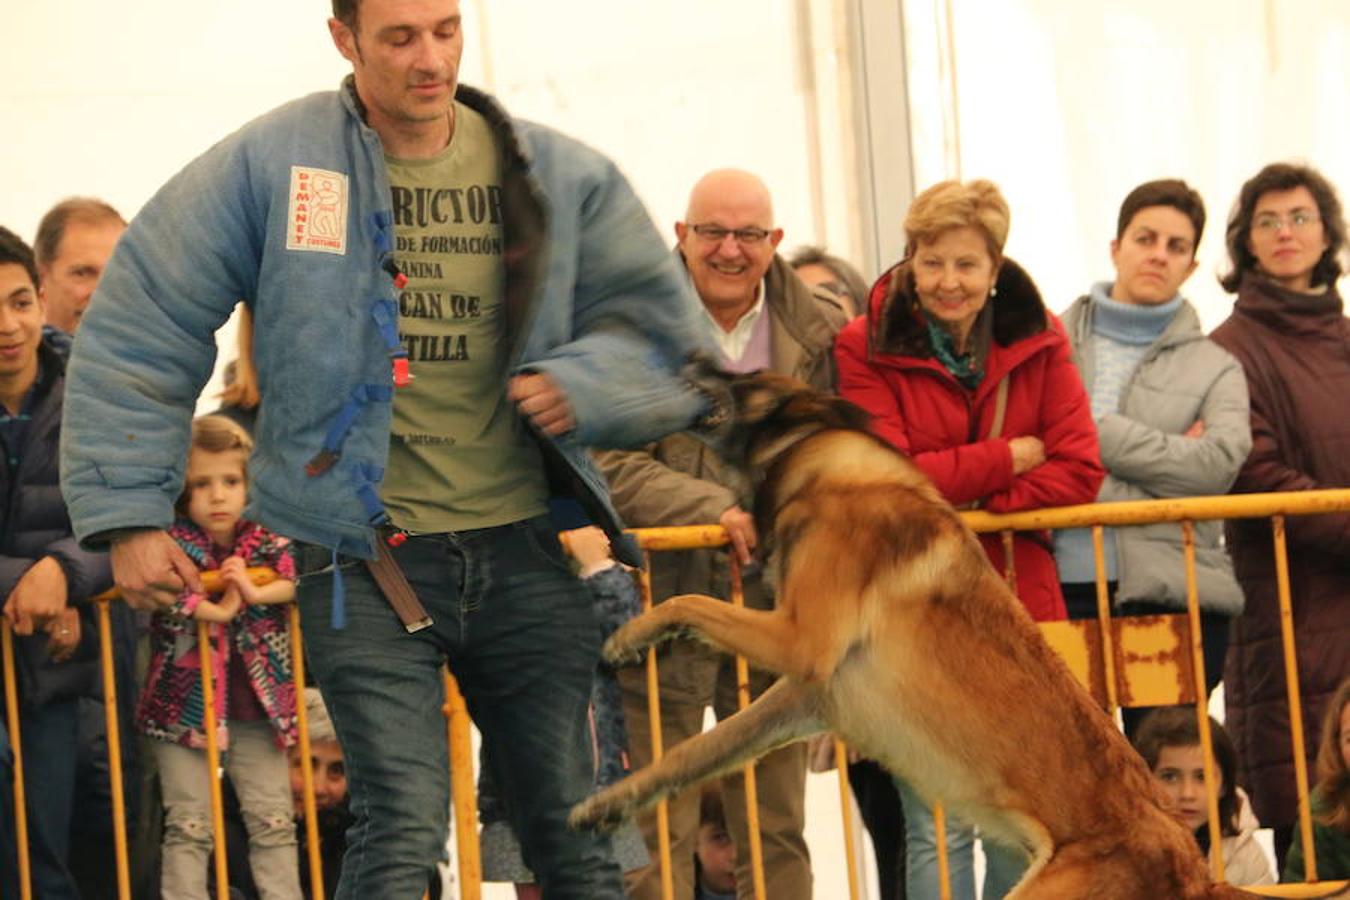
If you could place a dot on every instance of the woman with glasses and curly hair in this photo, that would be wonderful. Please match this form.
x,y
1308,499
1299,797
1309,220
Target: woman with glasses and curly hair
x,y
1286,240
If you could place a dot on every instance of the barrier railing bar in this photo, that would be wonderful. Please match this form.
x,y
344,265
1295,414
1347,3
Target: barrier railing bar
x,y
114,733
1202,700
213,760
16,749
1009,560
1294,696
1104,621
846,808
751,784
463,790
1177,509
312,852
940,843
654,723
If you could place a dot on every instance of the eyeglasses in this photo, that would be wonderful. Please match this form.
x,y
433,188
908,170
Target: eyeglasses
x,y
1271,223
716,234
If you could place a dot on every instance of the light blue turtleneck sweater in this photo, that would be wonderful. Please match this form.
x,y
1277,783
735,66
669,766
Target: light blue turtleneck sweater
x,y
1122,334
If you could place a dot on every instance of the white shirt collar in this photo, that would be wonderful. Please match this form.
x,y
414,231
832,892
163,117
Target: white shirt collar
x,y
733,342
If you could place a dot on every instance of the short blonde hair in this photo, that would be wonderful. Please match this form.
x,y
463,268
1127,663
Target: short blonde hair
x,y
948,205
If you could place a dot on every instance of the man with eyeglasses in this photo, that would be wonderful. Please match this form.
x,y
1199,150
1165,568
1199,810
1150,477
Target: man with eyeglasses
x,y
761,316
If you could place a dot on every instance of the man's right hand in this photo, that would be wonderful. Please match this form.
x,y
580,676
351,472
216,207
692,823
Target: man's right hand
x,y
740,526
151,570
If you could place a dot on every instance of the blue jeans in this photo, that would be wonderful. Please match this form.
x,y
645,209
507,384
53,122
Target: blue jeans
x,y
521,638
49,746
1003,865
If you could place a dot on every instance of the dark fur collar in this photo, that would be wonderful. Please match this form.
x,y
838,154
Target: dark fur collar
x,y
896,325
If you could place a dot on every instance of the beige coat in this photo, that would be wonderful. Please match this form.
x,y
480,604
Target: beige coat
x,y
679,480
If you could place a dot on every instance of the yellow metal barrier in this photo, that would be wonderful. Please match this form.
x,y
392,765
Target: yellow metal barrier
x,y
16,749
1152,660
1163,666
463,791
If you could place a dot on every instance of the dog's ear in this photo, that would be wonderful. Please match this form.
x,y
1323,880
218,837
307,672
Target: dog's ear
x,y
841,413
808,405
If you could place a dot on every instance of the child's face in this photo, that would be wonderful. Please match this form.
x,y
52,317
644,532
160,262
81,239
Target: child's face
x,y
330,776
218,491
717,859
1181,773
1345,735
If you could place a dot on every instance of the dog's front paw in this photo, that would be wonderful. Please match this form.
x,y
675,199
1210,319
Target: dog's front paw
x,y
599,812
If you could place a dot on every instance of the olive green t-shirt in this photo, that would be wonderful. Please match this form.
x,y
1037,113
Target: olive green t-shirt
x,y
459,454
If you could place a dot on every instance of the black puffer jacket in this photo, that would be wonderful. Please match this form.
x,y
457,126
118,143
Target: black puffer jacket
x,y
35,525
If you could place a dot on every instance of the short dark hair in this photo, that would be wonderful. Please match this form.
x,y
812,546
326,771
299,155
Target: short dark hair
x,y
848,278
1176,726
52,228
1171,192
1285,177
345,12
710,811
14,251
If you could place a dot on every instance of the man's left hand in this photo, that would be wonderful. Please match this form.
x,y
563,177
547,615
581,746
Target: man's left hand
x,y
38,598
537,397
63,635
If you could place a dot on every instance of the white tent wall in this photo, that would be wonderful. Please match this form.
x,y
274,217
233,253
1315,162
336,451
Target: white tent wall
x,y
1069,105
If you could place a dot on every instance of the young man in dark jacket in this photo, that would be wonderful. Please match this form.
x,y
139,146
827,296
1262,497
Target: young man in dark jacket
x,y
43,572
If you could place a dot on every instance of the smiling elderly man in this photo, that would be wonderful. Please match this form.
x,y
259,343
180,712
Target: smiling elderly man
x,y
762,316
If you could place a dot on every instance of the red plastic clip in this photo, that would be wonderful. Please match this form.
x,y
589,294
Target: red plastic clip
x,y
402,376
400,281
322,462
397,539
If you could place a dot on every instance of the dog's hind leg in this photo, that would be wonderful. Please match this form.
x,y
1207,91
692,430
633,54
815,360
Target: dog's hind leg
x,y
784,713
769,640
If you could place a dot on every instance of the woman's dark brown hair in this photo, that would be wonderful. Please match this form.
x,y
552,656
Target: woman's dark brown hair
x,y
1285,177
1333,778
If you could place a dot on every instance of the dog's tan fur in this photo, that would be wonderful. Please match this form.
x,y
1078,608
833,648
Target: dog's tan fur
x,y
893,631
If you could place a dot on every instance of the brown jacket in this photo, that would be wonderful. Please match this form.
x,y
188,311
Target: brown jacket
x,y
1295,349
679,480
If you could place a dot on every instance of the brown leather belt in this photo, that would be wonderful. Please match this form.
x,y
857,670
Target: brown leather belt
x,y
396,589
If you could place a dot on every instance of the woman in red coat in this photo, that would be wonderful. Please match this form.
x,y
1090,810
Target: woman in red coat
x,y
965,371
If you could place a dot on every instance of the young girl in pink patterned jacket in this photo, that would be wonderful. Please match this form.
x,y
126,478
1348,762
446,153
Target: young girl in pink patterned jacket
x,y
251,674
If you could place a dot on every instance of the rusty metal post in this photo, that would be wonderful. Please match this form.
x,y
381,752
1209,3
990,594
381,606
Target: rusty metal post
x,y
114,734
846,807
940,841
1202,701
751,786
1009,560
1294,696
1108,642
306,755
654,722
213,760
463,791
16,746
